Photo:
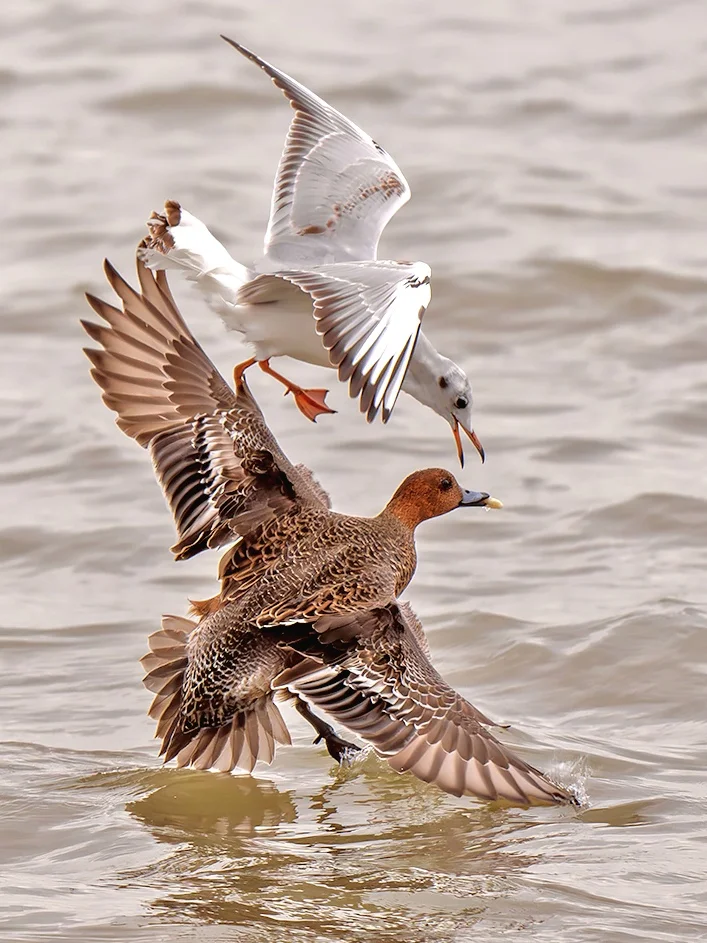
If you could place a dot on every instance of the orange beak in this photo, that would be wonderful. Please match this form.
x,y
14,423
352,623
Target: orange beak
x,y
474,438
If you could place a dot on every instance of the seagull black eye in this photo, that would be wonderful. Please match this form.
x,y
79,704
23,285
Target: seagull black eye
x,y
442,383
445,484
461,402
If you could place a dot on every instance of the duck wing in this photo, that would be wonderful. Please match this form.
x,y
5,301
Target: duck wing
x,y
336,189
370,673
220,467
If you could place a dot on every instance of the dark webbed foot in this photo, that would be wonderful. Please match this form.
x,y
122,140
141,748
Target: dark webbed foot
x,y
341,750
338,748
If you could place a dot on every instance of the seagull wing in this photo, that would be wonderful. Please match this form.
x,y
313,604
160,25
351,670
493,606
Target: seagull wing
x,y
335,189
368,315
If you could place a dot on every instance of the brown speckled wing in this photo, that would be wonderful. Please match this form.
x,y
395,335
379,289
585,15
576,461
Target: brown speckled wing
x,y
199,721
381,685
219,465
323,594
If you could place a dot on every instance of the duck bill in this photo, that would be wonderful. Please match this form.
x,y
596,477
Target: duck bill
x,y
479,499
456,425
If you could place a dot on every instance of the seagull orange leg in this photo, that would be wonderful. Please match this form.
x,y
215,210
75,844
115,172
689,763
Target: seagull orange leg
x,y
240,369
310,402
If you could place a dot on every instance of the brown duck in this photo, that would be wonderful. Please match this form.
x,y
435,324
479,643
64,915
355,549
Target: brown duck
x,y
308,607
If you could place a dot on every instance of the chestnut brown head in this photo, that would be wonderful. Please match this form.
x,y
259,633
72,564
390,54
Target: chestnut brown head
x,y
432,492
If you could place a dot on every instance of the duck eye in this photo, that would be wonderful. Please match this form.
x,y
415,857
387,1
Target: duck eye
x,y
442,383
445,484
461,402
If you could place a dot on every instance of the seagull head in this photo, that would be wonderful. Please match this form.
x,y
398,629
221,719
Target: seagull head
x,y
454,403
438,382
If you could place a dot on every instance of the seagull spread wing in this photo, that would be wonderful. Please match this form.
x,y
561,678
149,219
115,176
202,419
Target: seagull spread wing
x,y
220,467
368,315
335,190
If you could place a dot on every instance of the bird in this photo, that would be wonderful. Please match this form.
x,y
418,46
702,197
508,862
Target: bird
x,y
319,293
308,608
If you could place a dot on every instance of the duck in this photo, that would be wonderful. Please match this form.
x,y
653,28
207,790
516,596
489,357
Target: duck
x,y
320,294
308,609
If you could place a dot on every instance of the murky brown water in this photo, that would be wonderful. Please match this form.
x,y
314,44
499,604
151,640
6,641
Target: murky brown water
x,y
556,153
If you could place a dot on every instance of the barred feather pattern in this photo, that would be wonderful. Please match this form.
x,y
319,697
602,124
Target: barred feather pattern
x,y
371,674
221,469
213,704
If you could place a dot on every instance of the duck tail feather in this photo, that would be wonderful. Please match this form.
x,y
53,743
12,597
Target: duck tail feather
x,y
164,665
249,736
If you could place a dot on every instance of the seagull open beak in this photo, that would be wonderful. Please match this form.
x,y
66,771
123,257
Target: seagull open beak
x,y
472,435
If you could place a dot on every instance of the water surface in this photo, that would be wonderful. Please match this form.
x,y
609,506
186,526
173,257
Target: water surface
x,y
556,155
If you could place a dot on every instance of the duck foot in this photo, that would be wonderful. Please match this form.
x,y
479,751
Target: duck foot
x,y
339,749
310,402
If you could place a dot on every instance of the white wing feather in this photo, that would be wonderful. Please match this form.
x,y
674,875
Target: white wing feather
x,y
335,189
368,315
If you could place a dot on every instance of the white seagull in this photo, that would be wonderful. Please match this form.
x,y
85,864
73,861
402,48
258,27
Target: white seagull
x,y
320,294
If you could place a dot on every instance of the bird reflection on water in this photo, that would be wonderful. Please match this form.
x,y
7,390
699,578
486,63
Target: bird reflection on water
x,y
369,844
214,809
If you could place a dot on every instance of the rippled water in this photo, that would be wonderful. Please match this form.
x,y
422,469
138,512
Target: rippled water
x,y
556,154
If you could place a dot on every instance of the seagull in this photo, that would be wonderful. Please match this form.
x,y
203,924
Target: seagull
x,y
320,294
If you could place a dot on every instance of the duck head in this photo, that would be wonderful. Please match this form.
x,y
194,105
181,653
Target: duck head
x,y
432,492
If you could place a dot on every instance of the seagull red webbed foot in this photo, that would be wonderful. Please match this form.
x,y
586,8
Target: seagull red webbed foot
x,y
311,403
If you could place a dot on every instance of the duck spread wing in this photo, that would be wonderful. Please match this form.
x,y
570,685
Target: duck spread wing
x,y
219,465
335,190
371,674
